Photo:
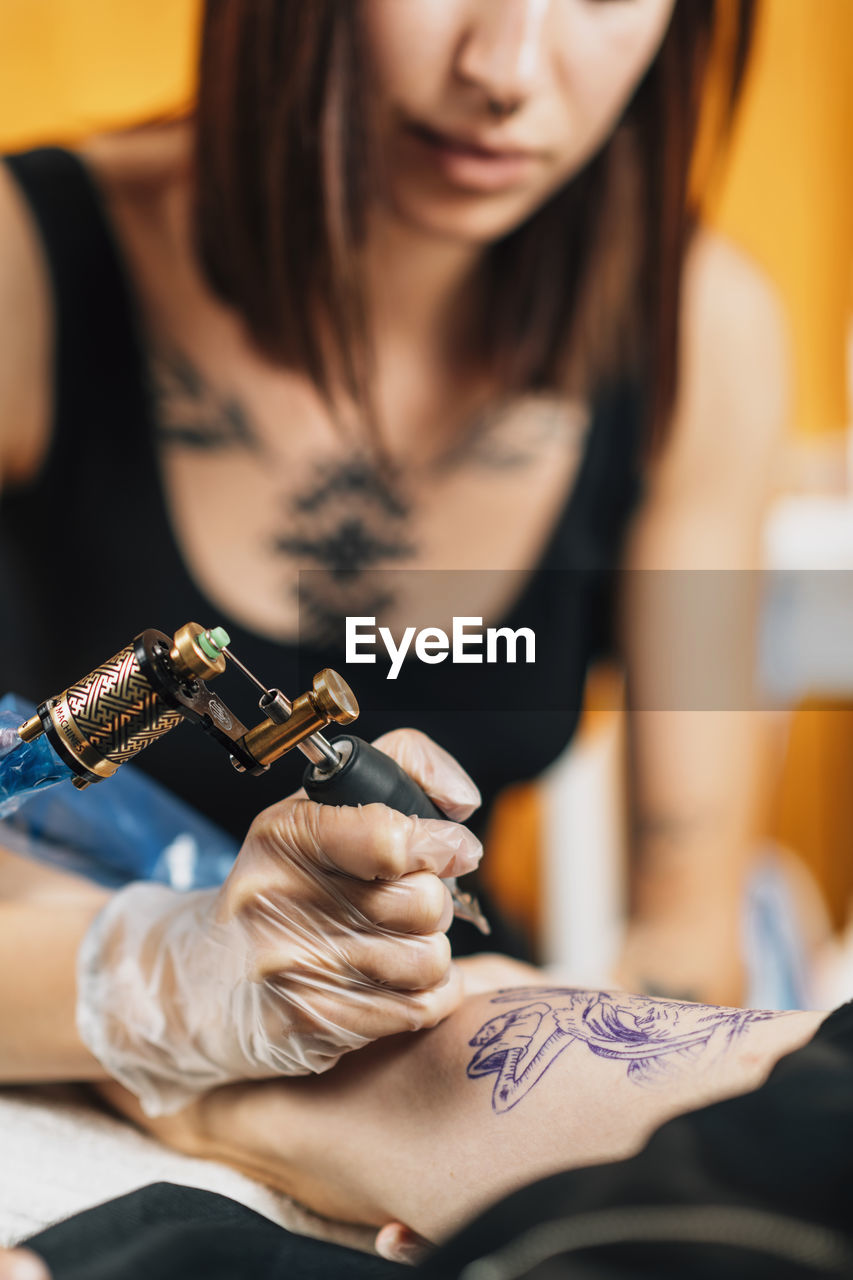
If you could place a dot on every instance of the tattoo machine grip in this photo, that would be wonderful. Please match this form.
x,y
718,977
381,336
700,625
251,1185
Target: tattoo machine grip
x,y
369,776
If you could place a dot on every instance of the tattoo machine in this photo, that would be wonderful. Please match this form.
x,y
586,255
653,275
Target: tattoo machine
x,y
157,681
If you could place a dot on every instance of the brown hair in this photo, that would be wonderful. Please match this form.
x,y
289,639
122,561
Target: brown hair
x,y
587,287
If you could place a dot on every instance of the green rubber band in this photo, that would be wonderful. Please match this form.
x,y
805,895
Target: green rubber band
x,y
213,642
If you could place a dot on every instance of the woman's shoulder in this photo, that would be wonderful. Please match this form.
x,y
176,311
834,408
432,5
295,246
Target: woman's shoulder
x,y
115,189
26,347
729,296
734,356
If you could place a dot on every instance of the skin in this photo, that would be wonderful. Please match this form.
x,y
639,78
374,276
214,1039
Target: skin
x,y
22,1264
407,1131
568,66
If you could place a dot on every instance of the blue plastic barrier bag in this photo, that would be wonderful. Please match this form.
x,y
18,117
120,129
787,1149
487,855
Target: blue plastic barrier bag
x,y
125,828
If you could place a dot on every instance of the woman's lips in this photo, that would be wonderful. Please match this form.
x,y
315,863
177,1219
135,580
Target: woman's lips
x,y
472,165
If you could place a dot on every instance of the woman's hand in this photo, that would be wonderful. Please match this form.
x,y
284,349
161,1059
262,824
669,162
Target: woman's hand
x,y
328,934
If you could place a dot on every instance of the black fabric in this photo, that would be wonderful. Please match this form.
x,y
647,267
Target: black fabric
x,y
166,1232
87,556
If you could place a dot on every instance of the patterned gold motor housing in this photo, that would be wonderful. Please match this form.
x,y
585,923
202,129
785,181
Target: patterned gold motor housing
x,y
110,715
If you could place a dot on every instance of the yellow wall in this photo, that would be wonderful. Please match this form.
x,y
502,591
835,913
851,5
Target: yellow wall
x,y
71,67
788,197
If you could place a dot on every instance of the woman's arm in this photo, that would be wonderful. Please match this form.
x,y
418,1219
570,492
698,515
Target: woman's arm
x,y
699,754
44,915
26,349
428,1129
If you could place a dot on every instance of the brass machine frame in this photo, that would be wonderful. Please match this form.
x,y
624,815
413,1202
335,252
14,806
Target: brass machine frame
x,y
153,684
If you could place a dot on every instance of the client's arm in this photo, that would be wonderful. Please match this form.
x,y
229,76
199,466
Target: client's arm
x,y
427,1129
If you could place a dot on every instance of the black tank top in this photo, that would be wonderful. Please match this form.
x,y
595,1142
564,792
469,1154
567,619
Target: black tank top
x,y
88,560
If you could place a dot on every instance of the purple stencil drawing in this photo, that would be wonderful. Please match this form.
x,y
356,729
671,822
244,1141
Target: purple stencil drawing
x,y
655,1037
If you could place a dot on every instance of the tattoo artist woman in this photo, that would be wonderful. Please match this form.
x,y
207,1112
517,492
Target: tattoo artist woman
x,y
410,266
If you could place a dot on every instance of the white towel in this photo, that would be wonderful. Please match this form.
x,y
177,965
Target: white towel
x,y
60,1154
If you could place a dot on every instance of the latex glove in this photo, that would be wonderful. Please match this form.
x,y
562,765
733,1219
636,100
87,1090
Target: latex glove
x,y
327,934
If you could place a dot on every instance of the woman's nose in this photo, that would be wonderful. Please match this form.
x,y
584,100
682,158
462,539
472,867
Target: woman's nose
x,y
501,50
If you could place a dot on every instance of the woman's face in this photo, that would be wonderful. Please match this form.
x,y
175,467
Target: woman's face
x,y
486,107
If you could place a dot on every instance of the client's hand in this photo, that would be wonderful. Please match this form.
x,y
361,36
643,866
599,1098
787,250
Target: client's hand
x,y
328,934
21,1264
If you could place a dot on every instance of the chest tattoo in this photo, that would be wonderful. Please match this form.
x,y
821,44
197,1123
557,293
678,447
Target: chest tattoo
x,y
349,522
351,518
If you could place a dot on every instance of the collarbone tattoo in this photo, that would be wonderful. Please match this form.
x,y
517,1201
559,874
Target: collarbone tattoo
x,y
190,413
510,432
513,432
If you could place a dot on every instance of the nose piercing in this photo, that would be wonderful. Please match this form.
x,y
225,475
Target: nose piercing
x,y
503,107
